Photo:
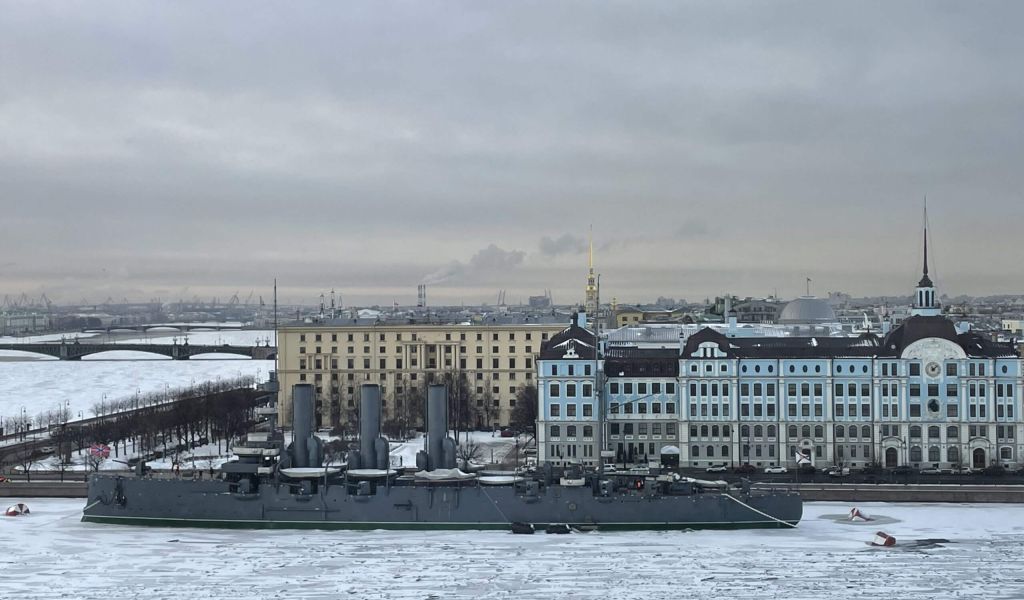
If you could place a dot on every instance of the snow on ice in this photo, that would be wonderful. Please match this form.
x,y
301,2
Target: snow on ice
x,y
821,559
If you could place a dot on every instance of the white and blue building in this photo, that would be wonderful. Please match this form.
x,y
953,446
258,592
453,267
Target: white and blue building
x,y
923,394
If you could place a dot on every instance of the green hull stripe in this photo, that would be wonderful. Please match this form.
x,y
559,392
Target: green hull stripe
x,y
355,525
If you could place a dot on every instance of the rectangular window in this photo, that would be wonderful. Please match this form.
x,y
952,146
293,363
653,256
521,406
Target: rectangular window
x,y
655,388
670,388
951,369
915,390
838,390
771,389
915,369
641,388
744,389
570,390
554,390
588,410
570,410
556,410
613,387
933,389
915,410
627,387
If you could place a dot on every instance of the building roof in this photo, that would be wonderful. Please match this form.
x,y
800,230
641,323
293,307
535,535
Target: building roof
x,y
572,342
807,309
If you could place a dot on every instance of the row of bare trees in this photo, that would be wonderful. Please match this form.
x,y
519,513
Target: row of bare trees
x,y
467,410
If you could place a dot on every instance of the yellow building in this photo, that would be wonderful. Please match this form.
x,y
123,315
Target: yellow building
x,y
495,359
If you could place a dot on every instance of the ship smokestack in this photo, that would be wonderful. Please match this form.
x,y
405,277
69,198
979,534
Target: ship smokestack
x,y
369,425
302,423
437,424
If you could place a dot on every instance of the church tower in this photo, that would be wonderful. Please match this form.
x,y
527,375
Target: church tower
x,y
591,298
926,303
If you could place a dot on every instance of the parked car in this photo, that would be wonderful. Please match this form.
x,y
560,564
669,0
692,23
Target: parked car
x,y
776,470
904,470
610,469
745,468
931,471
47,449
836,471
4,479
995,470
722,468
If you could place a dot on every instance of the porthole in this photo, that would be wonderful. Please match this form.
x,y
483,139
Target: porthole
x,y
805,368
1004,368
839,368
792,369
757,368
817,368
744,368
771,368
864,369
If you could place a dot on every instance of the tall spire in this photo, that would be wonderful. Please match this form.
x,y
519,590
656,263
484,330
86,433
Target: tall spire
x,y
925,280
590,261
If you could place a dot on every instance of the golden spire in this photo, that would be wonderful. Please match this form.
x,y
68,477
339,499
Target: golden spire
x,y
590,262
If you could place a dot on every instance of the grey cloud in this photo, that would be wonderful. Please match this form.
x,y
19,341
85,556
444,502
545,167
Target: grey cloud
x,y
489,261
564,244
144,137
691,228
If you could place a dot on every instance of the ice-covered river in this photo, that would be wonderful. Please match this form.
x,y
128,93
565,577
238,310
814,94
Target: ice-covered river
x,y
44,384
50,554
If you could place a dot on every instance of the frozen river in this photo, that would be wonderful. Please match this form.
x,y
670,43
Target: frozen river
x,y
50,554
46,384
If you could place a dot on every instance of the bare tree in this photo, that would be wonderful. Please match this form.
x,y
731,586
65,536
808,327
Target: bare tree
x,y
468,451
524,415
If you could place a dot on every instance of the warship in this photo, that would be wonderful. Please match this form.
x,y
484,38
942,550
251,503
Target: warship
x,y
274,485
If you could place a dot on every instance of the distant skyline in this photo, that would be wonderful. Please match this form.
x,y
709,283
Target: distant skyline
x,y
195,149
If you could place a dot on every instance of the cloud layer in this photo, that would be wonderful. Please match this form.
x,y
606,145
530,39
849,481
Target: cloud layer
x,y
200,149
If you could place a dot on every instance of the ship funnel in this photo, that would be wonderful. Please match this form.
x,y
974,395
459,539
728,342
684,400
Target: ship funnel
x,y
369,427
437,424
302,423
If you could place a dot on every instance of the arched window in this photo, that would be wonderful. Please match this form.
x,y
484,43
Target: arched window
x,y
953,454
915,431
952,432
556,431
1006,453
852,431
714,431
588,431
695,451
725,451
819,431
933,454
771,431
792,431
933,432
758,431
711,451
915,454
745,431
865,432
806,431
840,431
725,431
703,431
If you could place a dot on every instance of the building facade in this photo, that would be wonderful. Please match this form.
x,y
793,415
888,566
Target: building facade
x,y
496,361
923,394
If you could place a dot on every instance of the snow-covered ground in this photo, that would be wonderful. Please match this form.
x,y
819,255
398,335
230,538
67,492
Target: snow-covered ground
x,y
821,559
41,386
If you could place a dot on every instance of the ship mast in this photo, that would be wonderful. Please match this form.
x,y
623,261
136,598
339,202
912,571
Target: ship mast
x,y
597,380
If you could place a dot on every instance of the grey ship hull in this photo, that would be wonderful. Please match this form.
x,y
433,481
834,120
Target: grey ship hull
x,y
186,503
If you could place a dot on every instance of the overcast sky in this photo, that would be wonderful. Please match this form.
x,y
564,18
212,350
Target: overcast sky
x,y
179,149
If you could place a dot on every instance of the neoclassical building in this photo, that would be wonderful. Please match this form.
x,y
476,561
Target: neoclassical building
x,y
922,394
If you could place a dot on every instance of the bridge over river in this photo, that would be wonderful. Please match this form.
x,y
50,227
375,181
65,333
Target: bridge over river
x,y
76,350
